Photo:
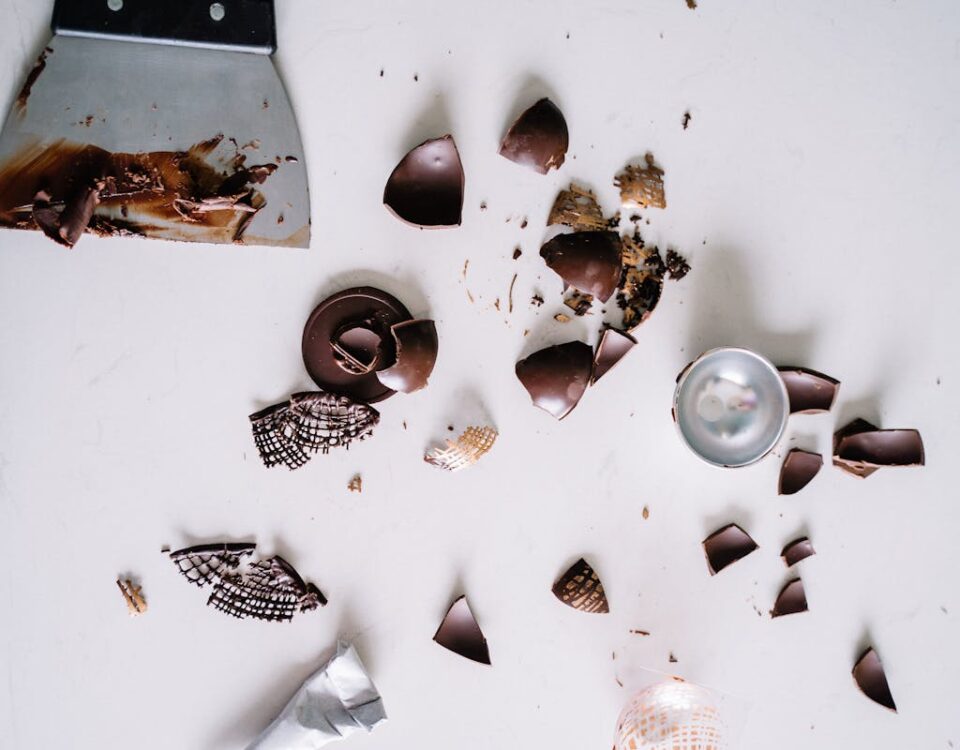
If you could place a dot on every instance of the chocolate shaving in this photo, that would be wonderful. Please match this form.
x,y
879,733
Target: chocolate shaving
x,y
799,468
588,261
725,546
577,207
538,139
465,451
677,266
872,680
580,588
809,391
791,600
797,550
642,186
133,596
460,633
614,346
860,448
268,589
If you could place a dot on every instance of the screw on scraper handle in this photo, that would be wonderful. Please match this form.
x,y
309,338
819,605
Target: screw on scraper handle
x,y
247,25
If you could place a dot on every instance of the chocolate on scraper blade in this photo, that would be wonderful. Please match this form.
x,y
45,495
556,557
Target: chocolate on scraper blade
x,y
538,139
872,680
725,546
614,346
557,377
860,448
580,588
416,354
470,447
577,207
809,391
426,187
791,600
797,550
460,633
588,261
798,470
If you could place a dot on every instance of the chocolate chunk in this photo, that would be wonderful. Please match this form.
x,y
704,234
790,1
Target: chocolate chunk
x,y
642,186
465,451
676,264
614,345
538,139
557,377
809,391
872,680
791,600
797,550
426,187
577,207
725,546
580,588
860,448
798,469
517,252
460,633
588,261
416,354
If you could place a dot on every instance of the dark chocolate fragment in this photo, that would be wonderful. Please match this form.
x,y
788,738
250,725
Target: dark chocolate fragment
x,y
460,633
872,680
799,468
677,266
416,347
32,76
538,139
860,448
809,391
791,600
797,550
588,261
580,588
725,546
426,187
557,377
579,302
642,186
577,207
614,345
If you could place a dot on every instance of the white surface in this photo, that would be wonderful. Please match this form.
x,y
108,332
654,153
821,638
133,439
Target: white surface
x,y
820,169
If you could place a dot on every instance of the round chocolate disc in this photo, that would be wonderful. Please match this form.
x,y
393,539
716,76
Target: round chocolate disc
x,y
347,339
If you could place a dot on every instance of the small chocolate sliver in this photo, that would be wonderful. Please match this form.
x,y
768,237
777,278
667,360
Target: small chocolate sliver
x,y
791,600
557,377
426,187
861,448
797,550
580,588
538,139
416,344
614,345
577,207
799,468
872,680
725,546
588,261
809,391
460,633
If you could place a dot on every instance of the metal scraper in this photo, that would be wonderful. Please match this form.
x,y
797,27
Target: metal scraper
x,y
162,119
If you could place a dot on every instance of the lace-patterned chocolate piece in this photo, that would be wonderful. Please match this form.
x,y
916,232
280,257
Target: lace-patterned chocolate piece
x,y
291,433
642,186
268,589
577,207
580,588
465,451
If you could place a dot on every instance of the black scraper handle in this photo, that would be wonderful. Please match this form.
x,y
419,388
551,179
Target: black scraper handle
x,y
243,24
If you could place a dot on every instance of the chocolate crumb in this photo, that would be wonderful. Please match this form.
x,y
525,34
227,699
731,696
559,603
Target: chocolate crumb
x,y
483,205
640,632
646,512
536,300
561,318
517,252
356,484
496,303
687,117
523,224
677,266
672,659
692,4
510,294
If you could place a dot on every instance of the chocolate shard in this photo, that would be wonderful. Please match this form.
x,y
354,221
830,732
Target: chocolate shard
x,y
725,546
797,550
872,680
860,448
580,588
614,345
416,347
538,138
799,468
470,447
426,187
577,207
809,391
642,185
460,633
791,600
589,261
133,597
557,377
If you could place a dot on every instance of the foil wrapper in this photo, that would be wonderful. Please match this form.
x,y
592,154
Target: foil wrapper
x,y
333,703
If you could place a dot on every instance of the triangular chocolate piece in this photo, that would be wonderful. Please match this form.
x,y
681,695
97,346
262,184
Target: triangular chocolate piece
x,y
871,679
725,546
460,633
791,600
580,588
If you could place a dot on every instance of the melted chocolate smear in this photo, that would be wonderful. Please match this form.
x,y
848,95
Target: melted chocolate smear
x,y
32,77
872,680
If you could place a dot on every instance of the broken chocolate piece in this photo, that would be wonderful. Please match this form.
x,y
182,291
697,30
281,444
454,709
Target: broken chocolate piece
x,y
797,550
426,187
416,354
725,546
133,596
579,302
791,600
872,680
588,261
557,377
642,186
641,281
460,633
614,345
291,433
465,451
799,468
577,207
268,589
580,588
677,266
355,484
538,139
860,448
809,391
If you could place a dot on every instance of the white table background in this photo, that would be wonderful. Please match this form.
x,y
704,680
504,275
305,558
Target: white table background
x,y
813,193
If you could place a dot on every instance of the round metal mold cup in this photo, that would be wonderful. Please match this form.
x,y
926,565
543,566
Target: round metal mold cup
x,y
730,407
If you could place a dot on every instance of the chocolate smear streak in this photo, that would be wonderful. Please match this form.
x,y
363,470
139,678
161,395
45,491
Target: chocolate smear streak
x,y
32,76
65,188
